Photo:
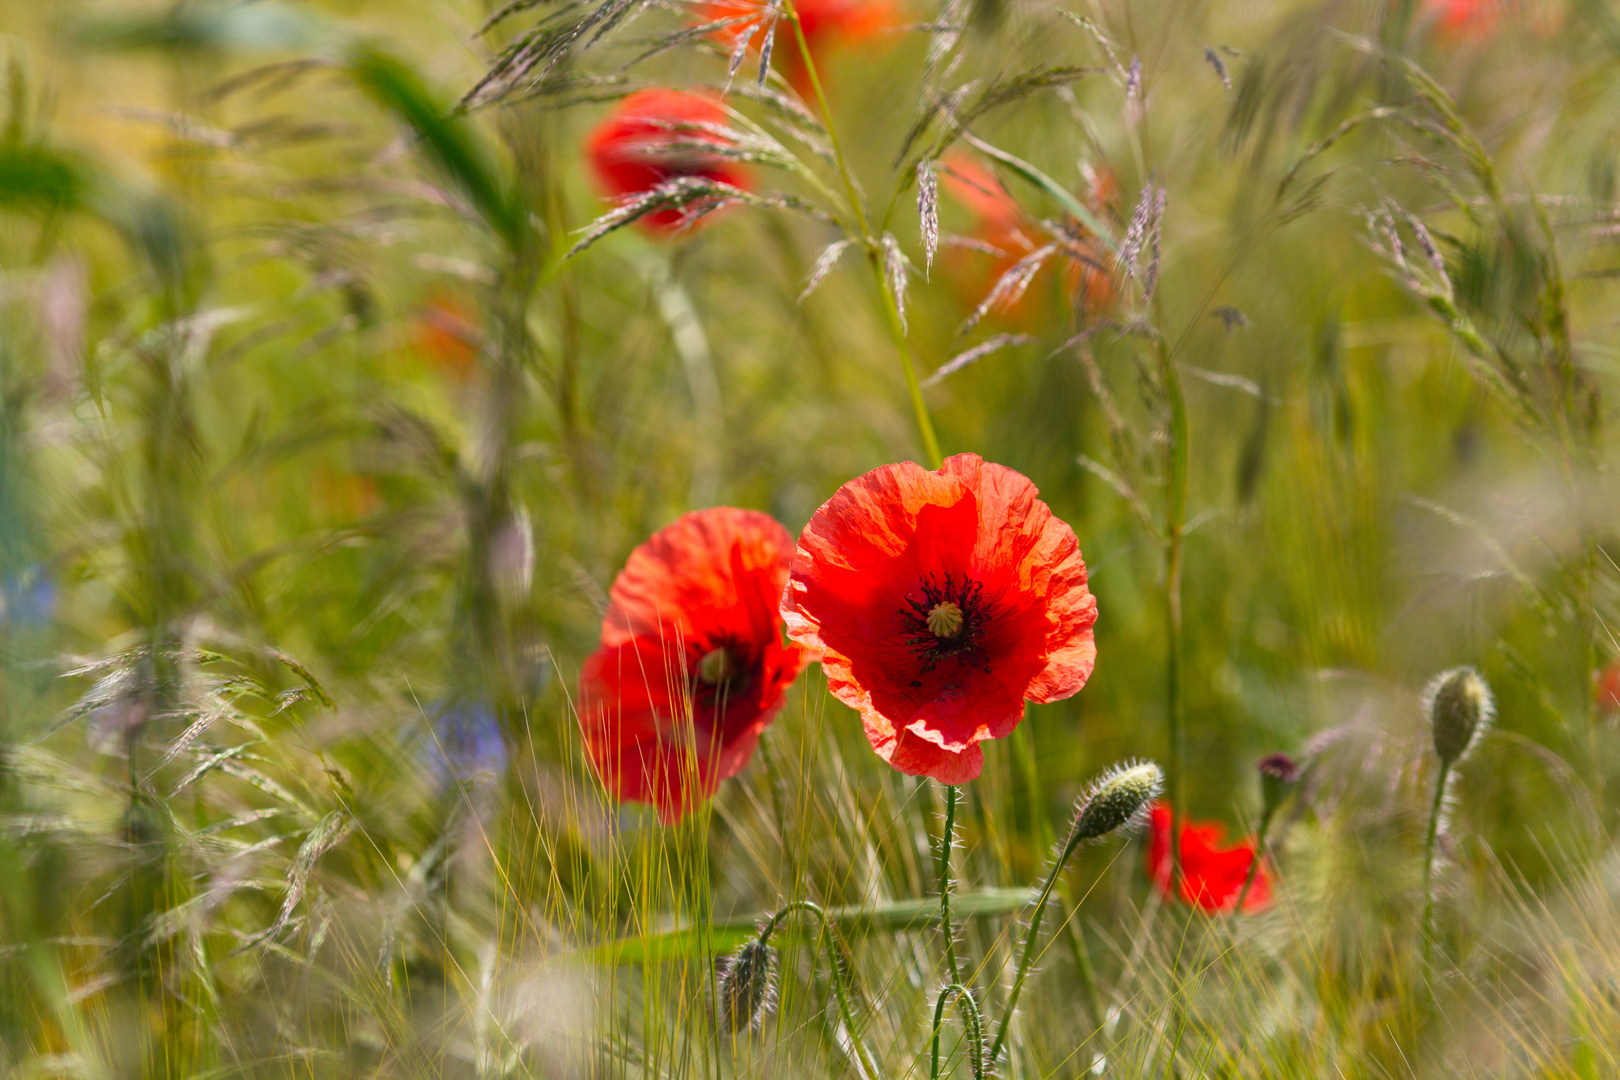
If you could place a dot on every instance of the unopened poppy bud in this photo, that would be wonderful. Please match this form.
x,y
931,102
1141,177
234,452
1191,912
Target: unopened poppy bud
x,y
1278,775
747,992
1118,799
1459,706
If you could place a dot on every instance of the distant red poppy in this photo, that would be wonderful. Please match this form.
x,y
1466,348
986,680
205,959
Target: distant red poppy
x,y
1006,234
940,602
1462,18
692,665
657,135
1461,21
825,23
1212,876
1609,688
446,331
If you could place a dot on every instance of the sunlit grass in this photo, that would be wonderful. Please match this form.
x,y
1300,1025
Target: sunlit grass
x,y
318,457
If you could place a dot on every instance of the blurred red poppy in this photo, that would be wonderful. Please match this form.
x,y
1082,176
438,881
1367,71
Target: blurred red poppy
x,y
1004,233
692,665
1463,18
1212,876
825,23
940,602
657,135
446,331
1608,688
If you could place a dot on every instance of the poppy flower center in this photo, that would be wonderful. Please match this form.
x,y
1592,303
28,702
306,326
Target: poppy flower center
x,y
947,621
715,667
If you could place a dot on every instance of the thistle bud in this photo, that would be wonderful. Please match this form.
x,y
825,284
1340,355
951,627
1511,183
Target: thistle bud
x,y
1278,775
747,992
1118,799
1459,707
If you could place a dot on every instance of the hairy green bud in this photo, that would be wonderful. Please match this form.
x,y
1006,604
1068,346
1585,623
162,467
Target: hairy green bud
x,y
1118,799
1459,707
747,991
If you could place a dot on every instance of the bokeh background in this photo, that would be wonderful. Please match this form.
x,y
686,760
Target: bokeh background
x,y
319,452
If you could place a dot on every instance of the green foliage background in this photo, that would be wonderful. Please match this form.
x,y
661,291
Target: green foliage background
x,y
296,592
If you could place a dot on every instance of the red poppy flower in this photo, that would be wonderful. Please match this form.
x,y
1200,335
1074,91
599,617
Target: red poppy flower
x,y
1005,233
692,665
940,602
1609,688
825,22
657,135
1212,876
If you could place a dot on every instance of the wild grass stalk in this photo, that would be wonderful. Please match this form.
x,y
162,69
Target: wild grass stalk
x,y
876,256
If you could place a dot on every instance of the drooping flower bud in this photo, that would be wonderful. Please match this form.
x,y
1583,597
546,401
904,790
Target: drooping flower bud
x,y
747,991
1278,775
1459,706
1118,799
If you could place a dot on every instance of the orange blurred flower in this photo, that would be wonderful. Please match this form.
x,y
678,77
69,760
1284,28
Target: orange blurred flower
x,y
658,135
1473,20
446,331
1608,688
825,22
1004,236
346,496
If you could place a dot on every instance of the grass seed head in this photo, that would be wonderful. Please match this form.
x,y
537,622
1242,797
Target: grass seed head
x,y
1118,799
1459,706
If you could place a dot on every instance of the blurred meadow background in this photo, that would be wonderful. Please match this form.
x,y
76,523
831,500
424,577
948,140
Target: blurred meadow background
x,y
321,445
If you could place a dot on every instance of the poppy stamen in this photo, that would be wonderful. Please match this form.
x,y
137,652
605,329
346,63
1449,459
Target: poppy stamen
x,y
946,621
715,667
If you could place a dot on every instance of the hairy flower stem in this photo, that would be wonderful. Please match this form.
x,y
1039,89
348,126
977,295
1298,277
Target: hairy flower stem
x,y
970,1020
1428,863
839,975
947,841
874,251
1027,955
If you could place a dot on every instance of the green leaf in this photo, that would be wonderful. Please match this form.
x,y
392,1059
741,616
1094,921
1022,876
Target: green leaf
x,y
728,934
450,143
38,177
1048,185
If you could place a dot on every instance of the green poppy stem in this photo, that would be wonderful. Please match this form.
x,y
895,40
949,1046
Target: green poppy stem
x,y
947,841
1428,863
970,1019
1027,956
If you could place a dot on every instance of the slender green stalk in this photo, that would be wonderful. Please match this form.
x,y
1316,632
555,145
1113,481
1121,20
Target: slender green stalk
x,y
874,252
1428,862
919,408
1175,519
947,841
970,1019
840,990
1260,839
1027,955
